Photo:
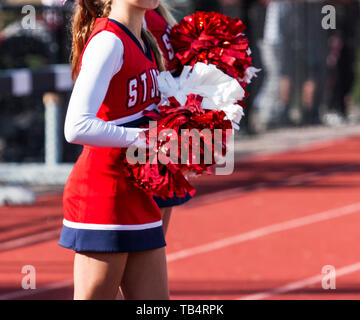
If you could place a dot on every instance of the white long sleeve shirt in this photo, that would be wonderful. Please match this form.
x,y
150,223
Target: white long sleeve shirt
x,y
102,59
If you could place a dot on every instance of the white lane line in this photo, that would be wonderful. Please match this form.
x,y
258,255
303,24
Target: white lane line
x,y
200,200
293,286
265,231
28,240
29,292
243,237
291,181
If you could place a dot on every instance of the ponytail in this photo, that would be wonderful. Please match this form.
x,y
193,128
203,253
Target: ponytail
x,y
165,12
83,20
86,12
155,49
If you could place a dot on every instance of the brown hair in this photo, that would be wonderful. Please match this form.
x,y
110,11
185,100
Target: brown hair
x,y
83,20
165,12
155,49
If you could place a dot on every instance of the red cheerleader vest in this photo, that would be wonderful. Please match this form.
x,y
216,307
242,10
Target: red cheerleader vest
x,y
97,190
160,29
134,87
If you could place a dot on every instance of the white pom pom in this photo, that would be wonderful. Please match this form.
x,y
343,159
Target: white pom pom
x,y
219,91
250,73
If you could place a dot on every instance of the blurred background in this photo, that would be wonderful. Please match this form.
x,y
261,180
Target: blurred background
x,y
308,90
310,76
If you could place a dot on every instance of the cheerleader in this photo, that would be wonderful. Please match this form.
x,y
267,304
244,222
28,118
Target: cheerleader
x,y
159,22
114,228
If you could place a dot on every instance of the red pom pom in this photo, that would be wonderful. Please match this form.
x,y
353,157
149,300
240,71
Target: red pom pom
x,y
165,180
212,37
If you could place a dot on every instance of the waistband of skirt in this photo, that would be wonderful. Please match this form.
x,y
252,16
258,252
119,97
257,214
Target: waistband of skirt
x,y
117,154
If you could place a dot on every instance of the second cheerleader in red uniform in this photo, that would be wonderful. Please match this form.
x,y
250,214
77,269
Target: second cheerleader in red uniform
x,y
159,22
114,228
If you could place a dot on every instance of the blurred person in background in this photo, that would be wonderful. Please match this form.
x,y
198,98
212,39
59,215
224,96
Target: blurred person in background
x,y
303,59
341,60
252,14
269,107
160,22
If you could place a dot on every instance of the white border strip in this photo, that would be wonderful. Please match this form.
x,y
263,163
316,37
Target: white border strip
x,y
265,231
117,227
294,286
29,240
133,117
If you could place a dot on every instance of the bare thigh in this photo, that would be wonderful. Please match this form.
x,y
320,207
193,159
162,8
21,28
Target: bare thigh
x,y
145,276
98,275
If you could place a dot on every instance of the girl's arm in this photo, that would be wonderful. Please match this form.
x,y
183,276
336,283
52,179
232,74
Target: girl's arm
x,y
102,59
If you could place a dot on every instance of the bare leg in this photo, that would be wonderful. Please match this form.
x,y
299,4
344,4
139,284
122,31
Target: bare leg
x,y
166,214
285,90
145,276
98,275
308,93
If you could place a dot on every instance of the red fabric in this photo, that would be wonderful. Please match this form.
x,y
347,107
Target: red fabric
x,y
160,29
166,180
201,37
98,189
211,37
116,99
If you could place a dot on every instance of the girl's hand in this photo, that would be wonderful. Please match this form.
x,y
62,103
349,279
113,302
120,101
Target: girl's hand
x,y
140,139
136,136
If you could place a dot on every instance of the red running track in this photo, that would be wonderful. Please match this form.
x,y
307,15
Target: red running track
x,y
264,232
